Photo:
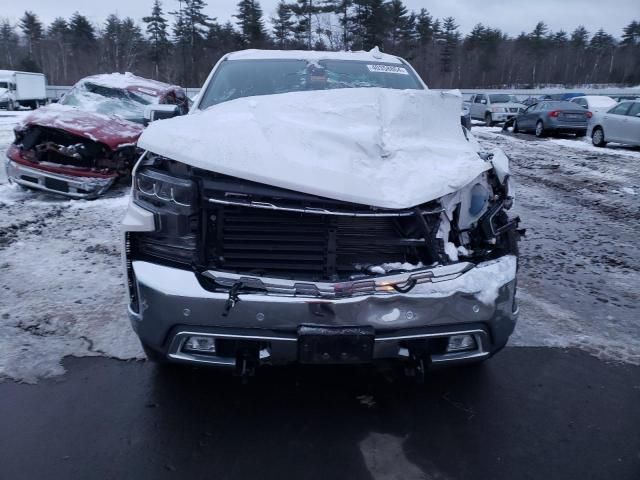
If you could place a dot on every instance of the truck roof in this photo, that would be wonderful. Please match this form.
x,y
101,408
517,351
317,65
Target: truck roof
x,y
8,73
373,55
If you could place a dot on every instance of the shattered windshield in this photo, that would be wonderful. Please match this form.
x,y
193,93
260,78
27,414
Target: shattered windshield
x,y
247,78
109,101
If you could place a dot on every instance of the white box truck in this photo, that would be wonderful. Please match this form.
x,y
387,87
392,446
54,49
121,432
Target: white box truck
x,y
24,89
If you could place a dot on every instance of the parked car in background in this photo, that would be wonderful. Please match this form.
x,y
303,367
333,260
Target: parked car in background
x,y
595,103
251,239
562,96
620,124
552,116
22,89
494,108
79,146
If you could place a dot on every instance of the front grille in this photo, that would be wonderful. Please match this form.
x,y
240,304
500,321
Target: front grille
x,y
310,246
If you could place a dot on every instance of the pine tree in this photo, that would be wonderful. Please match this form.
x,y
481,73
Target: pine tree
x,y
424,27
342,9
283,25
401,24
370,23
110,43
449,38
81,32
304,11
251,24
190,29
159,44
8,44
631,34
58,35
33,30
579,37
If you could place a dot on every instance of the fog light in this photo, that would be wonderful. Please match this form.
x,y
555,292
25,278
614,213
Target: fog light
x,y
458,343
200,344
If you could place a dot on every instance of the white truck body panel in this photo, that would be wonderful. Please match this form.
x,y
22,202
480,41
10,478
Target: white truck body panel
x,y
30,86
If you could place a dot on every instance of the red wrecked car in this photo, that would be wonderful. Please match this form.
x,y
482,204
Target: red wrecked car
x,y
80,146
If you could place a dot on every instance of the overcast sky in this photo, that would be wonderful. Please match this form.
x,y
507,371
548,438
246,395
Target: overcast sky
x,y
509,15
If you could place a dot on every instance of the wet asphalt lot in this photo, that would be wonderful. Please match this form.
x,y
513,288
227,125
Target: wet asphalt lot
x,y
567,410
529,413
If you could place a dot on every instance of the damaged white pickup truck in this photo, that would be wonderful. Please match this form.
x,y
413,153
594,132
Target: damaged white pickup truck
x,y
320,207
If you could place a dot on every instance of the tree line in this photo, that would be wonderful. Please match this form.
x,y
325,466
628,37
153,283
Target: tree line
x,y
181,44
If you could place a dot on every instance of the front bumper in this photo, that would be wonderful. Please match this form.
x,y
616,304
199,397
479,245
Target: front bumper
x,y
503,117
68,185
173,305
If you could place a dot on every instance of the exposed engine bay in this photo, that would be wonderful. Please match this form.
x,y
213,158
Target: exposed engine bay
x,y
57,147
217,222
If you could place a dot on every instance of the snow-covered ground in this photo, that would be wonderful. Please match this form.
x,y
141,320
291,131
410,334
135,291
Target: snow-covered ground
x,y
62,286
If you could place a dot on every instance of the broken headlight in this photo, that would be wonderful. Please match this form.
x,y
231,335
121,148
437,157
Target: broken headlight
x,y
172,197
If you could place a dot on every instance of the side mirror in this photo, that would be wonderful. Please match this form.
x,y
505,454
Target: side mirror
x,y
483,101
160,112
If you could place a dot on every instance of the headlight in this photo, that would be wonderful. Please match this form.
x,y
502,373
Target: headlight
x,y
498,109
173,200
155,187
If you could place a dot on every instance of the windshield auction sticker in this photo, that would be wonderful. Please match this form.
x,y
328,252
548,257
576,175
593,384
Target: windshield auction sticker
x,y
387,69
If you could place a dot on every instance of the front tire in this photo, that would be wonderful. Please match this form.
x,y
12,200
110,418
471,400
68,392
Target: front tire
x,y
488,120
540,132
597,137
515,126
11,106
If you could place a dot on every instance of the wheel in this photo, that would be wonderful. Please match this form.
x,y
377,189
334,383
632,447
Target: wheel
x,y
11,106
515,126
597,137
488,120
581,133
540,129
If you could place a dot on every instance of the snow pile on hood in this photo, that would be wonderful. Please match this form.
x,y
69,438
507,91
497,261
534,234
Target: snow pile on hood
x,y
111,130
380,147
127,81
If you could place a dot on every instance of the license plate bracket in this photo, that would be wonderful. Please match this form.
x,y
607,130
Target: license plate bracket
x,y
335,345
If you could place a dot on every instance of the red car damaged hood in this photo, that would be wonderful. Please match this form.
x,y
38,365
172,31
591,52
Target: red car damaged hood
x,y
112,131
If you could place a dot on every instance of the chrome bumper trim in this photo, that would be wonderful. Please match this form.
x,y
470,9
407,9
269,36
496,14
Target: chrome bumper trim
x,y
383,284
93,186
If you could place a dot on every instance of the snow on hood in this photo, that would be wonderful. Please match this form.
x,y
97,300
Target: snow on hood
x,y
380,147
110,130
129,81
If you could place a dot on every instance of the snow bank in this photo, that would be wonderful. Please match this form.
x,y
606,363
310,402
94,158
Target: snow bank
x,y
381,147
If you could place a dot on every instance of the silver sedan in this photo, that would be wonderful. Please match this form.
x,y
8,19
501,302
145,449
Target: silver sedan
x,y
620,124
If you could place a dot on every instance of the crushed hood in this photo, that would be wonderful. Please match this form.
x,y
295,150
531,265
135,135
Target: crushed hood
x,y
110,130
380,147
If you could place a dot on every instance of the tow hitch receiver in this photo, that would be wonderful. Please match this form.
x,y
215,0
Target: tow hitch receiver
x,y
333,345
